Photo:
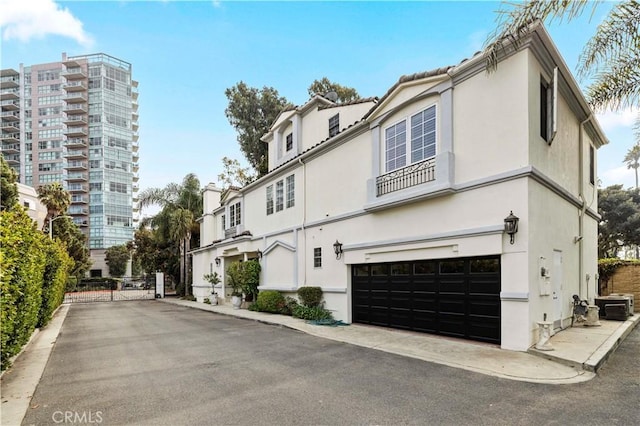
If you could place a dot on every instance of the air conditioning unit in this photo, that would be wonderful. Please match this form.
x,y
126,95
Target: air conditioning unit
x,y
631,300
622,303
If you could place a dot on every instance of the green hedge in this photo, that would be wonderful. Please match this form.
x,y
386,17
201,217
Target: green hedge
x,y
29,260
310,296
270,301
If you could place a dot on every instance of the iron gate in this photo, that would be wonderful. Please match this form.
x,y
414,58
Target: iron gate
x,y
112,290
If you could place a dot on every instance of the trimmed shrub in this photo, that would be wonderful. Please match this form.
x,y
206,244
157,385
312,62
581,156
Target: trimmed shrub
x,y
56,269
310,296
312,313
271,301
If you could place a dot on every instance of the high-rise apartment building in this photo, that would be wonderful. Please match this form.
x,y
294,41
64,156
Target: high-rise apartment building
x,y
76,122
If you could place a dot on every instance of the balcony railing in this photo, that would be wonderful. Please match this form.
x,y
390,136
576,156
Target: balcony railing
x,y
75,177
406,177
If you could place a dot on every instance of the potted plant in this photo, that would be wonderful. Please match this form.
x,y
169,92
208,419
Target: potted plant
x,y
234,279
213,279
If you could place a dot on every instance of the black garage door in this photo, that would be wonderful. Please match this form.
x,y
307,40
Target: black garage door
x,y
452,297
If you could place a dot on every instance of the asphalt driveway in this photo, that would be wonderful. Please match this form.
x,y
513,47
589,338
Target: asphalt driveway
x,y
152,363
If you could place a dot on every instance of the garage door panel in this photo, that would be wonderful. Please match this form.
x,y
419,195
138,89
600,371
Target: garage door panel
x,y
453,297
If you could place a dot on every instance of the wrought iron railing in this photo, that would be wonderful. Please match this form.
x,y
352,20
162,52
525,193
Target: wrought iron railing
x,y
406,177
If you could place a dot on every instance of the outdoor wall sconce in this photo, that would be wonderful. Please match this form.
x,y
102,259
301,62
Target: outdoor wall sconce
x,y
337,248
259,254
511,225
217,261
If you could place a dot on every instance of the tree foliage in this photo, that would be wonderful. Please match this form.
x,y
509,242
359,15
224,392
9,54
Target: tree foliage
x,y
233,174
117,258
55,198
611,57
251,112
324,86
632,160
8,187
620,224
75,242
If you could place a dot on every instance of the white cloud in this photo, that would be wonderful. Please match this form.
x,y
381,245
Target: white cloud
x,y
24,20
611,120
619,175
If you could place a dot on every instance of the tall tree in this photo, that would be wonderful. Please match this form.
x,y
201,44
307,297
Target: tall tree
x,y
65,230
611,57
632,160
55,198
176,223
251,112
324,85
8,187
620,223
117,258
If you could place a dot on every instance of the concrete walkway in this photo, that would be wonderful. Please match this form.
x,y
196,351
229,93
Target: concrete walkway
x,y
577,355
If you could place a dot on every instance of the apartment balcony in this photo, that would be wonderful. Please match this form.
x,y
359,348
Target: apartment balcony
x,y
78,211
79,199
135,147
10,137
135,116
10,105
135,156
75,143
76,155
135,136
134,83
80,108
76,187
13,148
76,165
75,97
76,177
12,159
74,73
75,131
9,79
134,126
75,86
10,115
80,221
135,188
79,120
9,94
10,126
135,167
135,178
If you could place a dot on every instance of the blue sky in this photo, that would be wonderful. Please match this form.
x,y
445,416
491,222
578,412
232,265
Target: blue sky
x,y
185,54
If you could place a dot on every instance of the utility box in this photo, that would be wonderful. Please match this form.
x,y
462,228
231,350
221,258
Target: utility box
x,y
620,312
631,300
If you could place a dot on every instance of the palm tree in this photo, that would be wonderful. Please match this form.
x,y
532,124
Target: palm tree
x,y
55,198
611,57
181,205
632,159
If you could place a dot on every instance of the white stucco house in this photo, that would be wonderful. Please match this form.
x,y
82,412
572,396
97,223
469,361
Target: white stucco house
x,y
413,190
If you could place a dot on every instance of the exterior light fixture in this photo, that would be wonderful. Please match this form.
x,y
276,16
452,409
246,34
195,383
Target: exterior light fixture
x,y
337,248
217,261
259,254
511,225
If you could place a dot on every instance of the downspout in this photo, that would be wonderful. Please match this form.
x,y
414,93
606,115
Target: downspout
x,y
304,220
583,208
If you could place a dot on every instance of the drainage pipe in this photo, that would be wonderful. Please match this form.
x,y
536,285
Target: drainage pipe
x,y
583,208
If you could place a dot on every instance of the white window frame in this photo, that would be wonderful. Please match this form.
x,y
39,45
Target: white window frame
x,y
317,257
279,195
290,190
408,139
235,214
270,204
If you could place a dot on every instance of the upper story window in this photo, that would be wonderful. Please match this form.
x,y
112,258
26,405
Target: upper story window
x,y
334,125
269,199
234,215
289,144
420,143
548,108
592,165
291,191
282,193
223,219
279,195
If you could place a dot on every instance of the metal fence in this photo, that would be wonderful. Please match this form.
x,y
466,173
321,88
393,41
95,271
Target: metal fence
x,y
112,290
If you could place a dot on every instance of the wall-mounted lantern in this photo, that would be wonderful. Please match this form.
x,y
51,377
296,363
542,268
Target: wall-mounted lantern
x,y
259,254
337,248
511,225
217,261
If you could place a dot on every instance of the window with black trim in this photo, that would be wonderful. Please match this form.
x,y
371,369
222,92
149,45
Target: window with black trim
x,y
334,125
592,165
317,257
289,142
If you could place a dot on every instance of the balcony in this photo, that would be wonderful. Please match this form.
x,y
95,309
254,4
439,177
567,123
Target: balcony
x,y
406,177
12,159
77,211
10,105
135,136
135,167
80,221
10,81
75,86
75,108
75,131
9,94
10,137
76,154
75,143
135,178
76,97
134,126
135,156
79,199
76,177
80,120
76,165
135,116
74,73
10,115
13,148
10,126
135,147
76,187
